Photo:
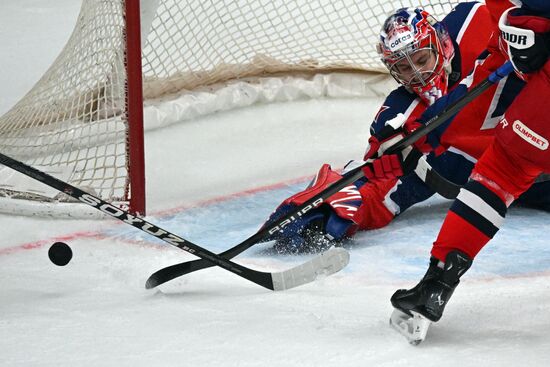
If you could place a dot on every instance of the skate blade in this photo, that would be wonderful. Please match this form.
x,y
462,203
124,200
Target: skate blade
x,y
413,328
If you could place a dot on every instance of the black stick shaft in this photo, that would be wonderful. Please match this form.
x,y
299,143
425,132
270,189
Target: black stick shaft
x,y
260,278
176,270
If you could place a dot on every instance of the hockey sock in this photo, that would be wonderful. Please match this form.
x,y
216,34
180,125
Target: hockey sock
x,y
474,218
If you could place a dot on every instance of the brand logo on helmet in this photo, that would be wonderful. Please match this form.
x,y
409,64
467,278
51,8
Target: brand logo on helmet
x,y
410,32
529,135
401,40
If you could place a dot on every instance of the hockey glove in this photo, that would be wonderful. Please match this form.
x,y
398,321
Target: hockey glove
x,y
394,165
525,38
321,227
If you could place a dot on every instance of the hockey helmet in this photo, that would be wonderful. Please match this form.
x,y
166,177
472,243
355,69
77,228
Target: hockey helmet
x,y
417,50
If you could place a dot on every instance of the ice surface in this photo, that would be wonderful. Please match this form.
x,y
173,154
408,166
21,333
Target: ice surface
x,y
214,181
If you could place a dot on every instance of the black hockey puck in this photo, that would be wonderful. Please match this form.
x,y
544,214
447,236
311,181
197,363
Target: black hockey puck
x,y
60,253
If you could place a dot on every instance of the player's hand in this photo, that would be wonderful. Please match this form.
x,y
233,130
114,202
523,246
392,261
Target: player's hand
x,y
393,166
526,39
320,227
395,130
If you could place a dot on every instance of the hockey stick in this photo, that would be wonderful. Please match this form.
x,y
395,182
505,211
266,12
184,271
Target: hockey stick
x,y
325,263
168,273
436,182
425,172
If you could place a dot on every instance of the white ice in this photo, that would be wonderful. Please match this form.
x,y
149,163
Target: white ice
x,y
96,312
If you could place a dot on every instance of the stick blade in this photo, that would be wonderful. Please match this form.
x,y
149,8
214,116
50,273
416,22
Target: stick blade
x,y
324,264
152,282
163,275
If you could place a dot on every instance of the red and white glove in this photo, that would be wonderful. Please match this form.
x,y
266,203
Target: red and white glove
x,y
525,39
323,224
344,203
392,166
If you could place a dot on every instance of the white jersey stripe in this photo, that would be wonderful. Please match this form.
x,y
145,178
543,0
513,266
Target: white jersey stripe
x,y
476,203
467,23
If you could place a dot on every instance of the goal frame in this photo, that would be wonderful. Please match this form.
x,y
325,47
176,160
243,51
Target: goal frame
x,y
134,102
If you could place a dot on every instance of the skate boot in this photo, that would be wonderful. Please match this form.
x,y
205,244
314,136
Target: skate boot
x,y
416,308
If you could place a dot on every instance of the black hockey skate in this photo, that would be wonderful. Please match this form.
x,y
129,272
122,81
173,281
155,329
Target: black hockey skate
x,y
416,308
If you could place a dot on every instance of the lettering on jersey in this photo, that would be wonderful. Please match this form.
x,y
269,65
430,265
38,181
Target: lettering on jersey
x,y
529,135
504,123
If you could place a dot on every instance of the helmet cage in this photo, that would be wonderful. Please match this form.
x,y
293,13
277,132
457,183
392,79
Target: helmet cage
x,y
416,75
411,31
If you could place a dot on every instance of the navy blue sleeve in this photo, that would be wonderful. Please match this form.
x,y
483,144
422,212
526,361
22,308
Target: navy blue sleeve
x,y
435,136
398,101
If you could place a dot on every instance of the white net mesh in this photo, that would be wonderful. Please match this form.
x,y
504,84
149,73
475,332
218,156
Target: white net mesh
x,y
197,43
73,120
74,123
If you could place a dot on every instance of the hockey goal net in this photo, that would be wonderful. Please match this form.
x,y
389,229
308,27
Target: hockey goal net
x,y
82,121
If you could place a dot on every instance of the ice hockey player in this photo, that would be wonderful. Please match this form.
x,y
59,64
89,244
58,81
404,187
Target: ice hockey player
x,y
428,59
507,168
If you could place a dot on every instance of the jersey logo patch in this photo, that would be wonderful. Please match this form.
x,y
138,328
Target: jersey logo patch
x,y
529,135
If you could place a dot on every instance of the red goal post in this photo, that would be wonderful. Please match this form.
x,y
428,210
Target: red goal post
x,y
130,64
